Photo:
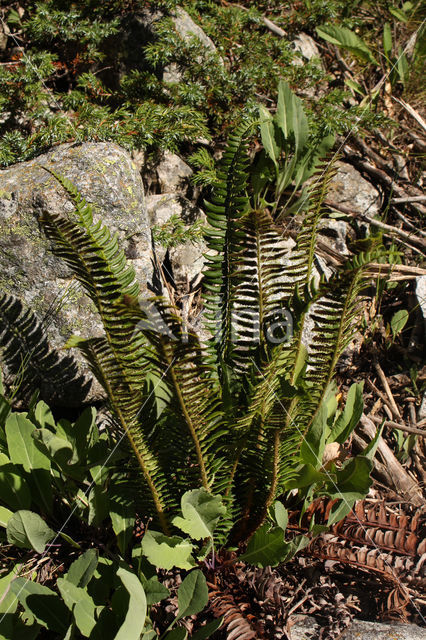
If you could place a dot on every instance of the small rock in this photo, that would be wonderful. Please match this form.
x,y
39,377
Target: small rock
x,y
187,29
306,628
421,294
4,33
187,262
351,190
173,174
187,259
334,233
422,409
306,46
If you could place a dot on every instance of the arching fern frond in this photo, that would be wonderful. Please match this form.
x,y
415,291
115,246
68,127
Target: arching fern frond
x,y
100,266
31,362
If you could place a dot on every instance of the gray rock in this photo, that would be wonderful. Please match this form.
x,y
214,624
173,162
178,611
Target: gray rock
x,y
334,234
4,32
107,178
306,628
186,260
187,29
173,173
305,45
421,415
421,294
348,188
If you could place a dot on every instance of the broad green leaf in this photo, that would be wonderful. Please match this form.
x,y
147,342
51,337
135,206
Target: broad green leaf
x,y
5,516
353,480
192,594
180,633
312,160
268,134
155,591
44,416
80,603
312,447
340,510
370,451
291,118
123,520
355,86
387,40
27,530
22,448
42,603
305,476
5,409
134,621
281,515
98,505
347,39
205,632
201,512
166,552
58,448
349,418
296,545
402,66
266,548
14,489
70,540
81,570
24,451
150,635
398,322
78,434
8,600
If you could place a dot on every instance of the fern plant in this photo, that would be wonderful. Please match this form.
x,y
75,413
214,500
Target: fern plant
x,y
244,415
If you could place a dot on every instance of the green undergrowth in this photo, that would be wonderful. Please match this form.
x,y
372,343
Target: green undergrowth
x,y
91,73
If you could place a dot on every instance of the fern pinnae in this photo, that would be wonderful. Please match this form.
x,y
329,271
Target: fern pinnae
x,y
334,315
101,268
229,201
181,360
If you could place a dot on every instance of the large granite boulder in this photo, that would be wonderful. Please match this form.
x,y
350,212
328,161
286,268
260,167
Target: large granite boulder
x,y
107,178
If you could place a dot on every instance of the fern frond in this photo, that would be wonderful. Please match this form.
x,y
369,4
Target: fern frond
x,y
229,203
182,363
33,364
261,288
304,252
100,266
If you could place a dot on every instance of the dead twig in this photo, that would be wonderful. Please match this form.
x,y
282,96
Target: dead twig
x,y
383,397
415,114
387,388
268,23
396,425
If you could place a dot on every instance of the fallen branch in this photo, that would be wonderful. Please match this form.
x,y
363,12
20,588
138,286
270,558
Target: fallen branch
x,y
397,425
402,483
409,237
268,23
